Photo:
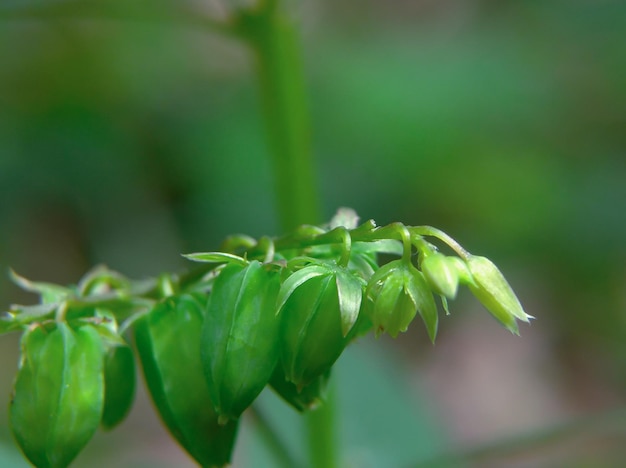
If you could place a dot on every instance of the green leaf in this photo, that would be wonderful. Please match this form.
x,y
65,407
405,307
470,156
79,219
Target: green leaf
x,y
296,279
216,257
350,291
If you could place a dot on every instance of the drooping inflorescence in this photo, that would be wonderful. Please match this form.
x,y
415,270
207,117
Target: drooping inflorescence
x,y
274,311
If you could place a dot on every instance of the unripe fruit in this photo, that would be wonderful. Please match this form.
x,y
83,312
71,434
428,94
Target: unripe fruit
x,y
58,393
240,343
168,342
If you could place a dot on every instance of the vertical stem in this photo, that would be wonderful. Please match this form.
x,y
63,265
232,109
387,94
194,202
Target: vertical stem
x,y
321,428
281,80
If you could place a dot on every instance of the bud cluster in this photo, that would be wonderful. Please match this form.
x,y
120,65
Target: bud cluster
x,y
275,312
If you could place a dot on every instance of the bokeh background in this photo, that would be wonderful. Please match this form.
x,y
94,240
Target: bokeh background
x,y
127,142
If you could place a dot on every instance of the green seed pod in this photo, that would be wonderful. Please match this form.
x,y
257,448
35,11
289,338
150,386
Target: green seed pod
x,y
494,292
119,385
240,336
316,325
58,394
168,342
397,291
441,274
307,398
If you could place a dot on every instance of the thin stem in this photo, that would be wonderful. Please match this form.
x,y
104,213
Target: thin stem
x,y
442,236
281,81
321,425
406,242
347,247
271,439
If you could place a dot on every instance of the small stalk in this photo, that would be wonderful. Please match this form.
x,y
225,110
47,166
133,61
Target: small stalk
x,y
321,425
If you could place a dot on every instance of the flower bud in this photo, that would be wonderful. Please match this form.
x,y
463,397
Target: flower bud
x,y
493,291
441,274
168,341
398,291
240,336
58,393
319,309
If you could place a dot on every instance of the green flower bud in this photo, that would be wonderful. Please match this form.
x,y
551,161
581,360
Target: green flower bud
x,y
240,345
493,291
58,393
397,292
319,308
441,274
168,343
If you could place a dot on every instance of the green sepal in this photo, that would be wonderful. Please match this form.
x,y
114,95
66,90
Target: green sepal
x,y
119,385
21,316
297,279
350,292
216,257
168,343
50,293
58,393
423,298
495,294
240,336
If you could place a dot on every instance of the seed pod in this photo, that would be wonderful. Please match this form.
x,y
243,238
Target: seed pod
x,y
119,385
168,342
240,336
493,291
307,398
315,328
58,393
396,292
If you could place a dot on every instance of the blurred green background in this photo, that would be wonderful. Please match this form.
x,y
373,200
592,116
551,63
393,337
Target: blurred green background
x,y
128,142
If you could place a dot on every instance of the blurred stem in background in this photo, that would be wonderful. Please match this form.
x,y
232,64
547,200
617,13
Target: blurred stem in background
x,y
279,66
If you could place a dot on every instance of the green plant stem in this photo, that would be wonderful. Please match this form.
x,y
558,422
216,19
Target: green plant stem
x,y
271,439
321,427
281,80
